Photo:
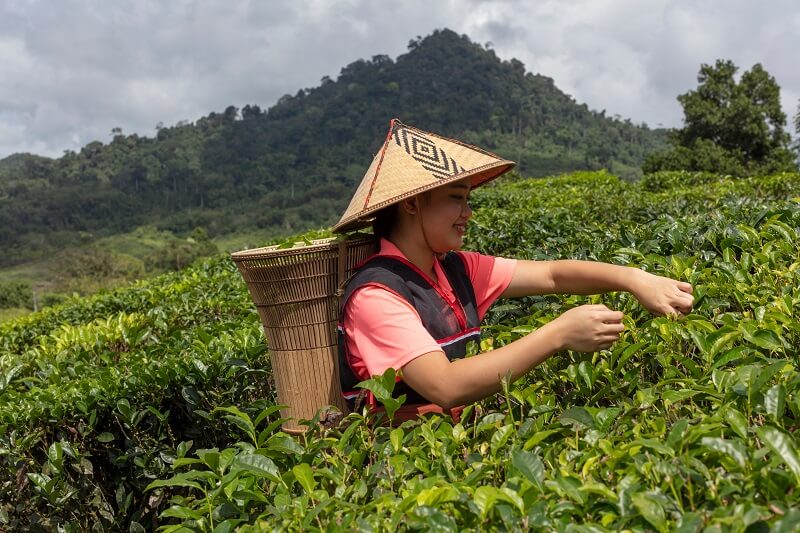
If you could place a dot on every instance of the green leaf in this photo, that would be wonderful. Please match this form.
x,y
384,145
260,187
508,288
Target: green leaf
x,y
764,338
105,437
586,372
539,436
284,444
571,485
55,455
788,523
239,419
124,407
676,433
269,411
783,446
485,498
689,523
436,496
227,526
731,355
653,444
184,447
775,401
178,480
382,387
733,448
673,396
718,340
43,481
627,353
700,340
183,461
530,465
599,489
257,464
500,437
577,416
737,421
651,510
763,376
604,417
396,438
305,476
182,512
269,431
513,498
136,527
431,519
210,457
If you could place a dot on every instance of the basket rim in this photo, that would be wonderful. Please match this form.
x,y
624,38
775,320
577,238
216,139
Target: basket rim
x,y
317,245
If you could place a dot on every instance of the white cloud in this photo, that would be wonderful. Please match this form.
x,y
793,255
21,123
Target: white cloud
x,y
72,70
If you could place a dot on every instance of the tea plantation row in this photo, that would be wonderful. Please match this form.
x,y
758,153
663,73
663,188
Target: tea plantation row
x,y
152,405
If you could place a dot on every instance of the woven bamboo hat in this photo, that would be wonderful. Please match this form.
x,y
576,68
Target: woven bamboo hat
x,y
412,161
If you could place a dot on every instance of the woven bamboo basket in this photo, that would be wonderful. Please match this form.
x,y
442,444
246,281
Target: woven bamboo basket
x,y
296,291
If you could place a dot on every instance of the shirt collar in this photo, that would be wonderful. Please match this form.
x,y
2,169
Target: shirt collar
x,y
389,248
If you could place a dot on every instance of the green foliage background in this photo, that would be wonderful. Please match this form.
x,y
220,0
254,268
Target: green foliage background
x,y
732,126
152,406
292,167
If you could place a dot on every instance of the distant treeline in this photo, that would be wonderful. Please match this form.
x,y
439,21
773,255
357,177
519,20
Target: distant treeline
x,y
295,165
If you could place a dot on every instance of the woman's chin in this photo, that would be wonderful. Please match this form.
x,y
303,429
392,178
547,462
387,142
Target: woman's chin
x,y
448,244
457,244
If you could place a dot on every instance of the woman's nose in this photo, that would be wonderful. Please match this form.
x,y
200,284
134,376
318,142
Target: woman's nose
x,y
466,209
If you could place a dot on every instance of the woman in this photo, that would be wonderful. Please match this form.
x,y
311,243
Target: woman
x,y
415,305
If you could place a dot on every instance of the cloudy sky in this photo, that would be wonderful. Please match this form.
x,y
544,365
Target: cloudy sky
x,y
72,70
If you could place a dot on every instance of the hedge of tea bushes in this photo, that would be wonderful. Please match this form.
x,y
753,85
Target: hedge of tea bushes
x,y
684,424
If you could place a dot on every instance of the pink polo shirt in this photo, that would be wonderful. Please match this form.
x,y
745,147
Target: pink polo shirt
x,y
384,331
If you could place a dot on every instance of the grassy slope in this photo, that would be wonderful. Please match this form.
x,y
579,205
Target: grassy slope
x,y
46,275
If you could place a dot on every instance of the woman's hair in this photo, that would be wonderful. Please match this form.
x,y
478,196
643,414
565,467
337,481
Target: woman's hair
x,y
384,221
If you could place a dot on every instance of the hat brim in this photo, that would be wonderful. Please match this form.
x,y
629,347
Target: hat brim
x,y
478,176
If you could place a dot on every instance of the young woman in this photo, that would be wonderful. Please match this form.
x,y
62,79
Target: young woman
x,y
416,303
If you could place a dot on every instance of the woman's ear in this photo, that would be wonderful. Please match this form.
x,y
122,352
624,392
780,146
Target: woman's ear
x,y
410,205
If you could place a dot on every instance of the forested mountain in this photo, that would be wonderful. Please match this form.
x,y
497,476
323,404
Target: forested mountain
x,y
294,166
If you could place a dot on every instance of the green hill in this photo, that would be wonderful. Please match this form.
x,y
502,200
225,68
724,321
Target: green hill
x,y
294,166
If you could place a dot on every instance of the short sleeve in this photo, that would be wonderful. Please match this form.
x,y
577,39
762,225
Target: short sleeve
x,y
490,276
383,331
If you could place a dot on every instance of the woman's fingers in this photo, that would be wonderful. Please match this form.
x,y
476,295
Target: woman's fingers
x,y
611,317
613,328
685,287
683,303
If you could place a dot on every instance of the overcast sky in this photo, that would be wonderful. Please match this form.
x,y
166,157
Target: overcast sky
x,y
72,70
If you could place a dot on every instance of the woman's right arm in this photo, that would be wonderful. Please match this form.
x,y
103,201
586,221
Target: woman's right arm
x,y
448,383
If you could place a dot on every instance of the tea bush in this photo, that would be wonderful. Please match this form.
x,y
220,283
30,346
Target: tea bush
x,y
151,406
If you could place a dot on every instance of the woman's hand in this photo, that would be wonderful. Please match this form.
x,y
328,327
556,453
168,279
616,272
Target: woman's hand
x,y
589,328
663,296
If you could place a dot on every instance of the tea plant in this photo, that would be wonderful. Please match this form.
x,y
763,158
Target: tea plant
x,y
150,407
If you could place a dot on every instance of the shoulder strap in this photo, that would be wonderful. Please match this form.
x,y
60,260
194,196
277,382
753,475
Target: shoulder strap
x,y
456,271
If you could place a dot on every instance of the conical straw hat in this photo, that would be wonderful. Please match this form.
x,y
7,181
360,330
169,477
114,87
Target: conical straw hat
x,y
412,161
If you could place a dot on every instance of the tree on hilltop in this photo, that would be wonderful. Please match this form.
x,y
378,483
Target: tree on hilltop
x,y
731,127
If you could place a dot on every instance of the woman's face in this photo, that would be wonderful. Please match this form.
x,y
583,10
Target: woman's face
x,y
444,213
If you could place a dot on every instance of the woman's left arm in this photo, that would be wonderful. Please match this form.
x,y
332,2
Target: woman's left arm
x,y
659,295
